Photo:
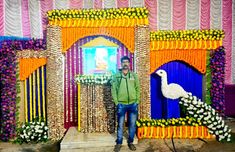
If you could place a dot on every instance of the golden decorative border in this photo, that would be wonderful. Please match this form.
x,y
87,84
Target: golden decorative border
x,y
142,68
55,83
31,54
103,102
97,109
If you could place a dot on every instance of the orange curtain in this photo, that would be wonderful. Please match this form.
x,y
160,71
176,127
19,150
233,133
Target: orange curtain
x,y
176,131
201,44
196,58
126,35
29,65
123,22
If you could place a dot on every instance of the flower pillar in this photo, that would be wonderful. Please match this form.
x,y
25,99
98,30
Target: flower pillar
x,y
55,83
142,68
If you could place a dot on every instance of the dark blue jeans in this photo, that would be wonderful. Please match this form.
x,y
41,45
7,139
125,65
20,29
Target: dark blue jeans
x,y
132,111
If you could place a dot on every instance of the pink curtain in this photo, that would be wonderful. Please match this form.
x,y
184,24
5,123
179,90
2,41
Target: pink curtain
x,y
205,14
179,14
227,42
2,17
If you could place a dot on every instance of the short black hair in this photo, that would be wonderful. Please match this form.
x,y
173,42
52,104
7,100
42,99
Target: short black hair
x,y
125,58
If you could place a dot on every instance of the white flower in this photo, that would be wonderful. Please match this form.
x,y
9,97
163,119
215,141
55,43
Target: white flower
x,y
194,102
190,112
185,104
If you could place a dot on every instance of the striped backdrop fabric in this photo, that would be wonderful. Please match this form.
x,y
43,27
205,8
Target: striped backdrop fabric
x,y
27,18
35,95
73,66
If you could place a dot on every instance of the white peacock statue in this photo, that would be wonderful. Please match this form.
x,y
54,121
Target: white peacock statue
x,y
173,90
195,107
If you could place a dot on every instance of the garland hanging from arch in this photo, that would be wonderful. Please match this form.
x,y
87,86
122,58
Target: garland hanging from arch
x,y
196,58
123,34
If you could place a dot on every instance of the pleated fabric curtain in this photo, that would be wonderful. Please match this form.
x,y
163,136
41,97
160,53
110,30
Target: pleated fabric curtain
x,y
31,19
35,95
73,66
180,73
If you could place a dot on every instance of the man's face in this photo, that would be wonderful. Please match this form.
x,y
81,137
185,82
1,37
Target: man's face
x,y
125,64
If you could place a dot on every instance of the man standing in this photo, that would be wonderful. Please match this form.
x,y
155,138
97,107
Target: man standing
x,y
126,96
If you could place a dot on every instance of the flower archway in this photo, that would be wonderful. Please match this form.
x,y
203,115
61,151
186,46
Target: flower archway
x,y
128,27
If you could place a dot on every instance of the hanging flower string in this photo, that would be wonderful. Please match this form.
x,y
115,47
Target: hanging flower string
x,y
156,45
93,79
163,35
8,82
217,65
8,91
113,17
168,122
98,14
208,79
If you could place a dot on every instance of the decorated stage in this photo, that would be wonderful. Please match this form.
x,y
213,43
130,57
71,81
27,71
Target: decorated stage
x,y
63,84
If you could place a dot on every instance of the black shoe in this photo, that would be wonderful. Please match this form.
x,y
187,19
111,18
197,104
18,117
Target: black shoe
x,y
132,147
117,147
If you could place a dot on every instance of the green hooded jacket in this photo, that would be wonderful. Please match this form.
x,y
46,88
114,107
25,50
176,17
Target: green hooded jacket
x,y
125,89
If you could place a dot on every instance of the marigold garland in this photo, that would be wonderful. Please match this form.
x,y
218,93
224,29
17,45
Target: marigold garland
x,y
98,14
182,44
126,22
28,66
124,35
187,35
176,131
196,58
187,121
